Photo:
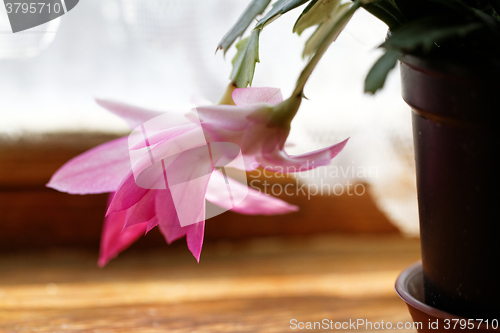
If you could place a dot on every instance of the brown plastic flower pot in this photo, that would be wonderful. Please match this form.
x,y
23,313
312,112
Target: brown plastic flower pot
x,y
456,139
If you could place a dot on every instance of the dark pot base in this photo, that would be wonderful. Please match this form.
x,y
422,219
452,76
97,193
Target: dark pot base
x,y
410,287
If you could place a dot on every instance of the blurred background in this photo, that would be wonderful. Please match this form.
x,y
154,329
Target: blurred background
x,y
161,54
336,258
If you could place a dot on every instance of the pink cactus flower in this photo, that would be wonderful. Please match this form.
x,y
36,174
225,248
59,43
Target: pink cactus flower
x,y
134,210
259,124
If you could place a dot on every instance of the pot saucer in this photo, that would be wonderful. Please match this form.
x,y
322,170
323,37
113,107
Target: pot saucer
x,y
410,287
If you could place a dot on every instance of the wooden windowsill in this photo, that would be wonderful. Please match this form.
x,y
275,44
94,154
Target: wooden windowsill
x,y
255,285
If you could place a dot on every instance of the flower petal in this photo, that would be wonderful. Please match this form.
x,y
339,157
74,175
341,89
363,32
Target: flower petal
x,y
99,170
255,95
127,195
171,228
142,211
255,202
194,238
214,133
114,239
227,117
281,162
134,116
258,140
151,224
188,176
168,222
168,150
161,136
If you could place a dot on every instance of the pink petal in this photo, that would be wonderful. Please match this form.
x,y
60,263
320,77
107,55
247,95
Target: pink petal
x,y
167,217
227,117
169,150
98,170
281,162
162,136
151,224
133,115
194,238
127,195
188,176
171,228
189,199
258,140
113,240
143,211
254,95
255,202
214,133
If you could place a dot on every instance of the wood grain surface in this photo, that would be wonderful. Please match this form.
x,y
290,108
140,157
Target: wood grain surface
x,y
253,285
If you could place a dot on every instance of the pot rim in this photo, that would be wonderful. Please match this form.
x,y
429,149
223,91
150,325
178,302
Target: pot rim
x,y
481,70
451,69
